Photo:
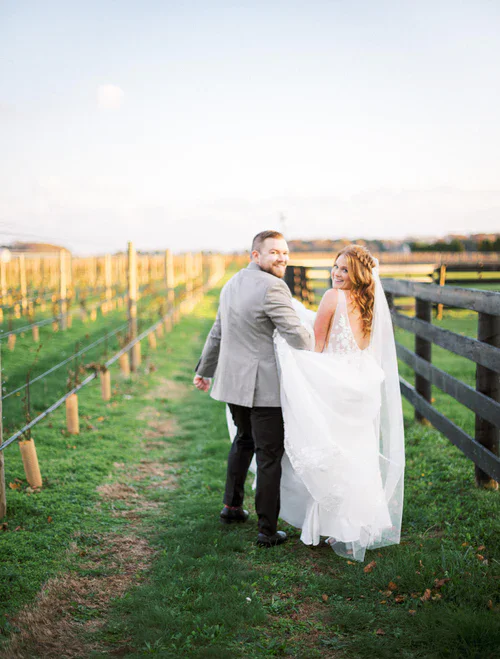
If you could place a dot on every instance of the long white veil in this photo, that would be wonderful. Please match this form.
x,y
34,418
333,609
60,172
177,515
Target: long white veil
x,y
389,424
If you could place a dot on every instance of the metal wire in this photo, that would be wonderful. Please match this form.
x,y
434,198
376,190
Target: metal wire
x,y
93,375
41,323
53,407
54,368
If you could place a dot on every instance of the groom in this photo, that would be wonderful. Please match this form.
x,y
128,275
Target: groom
x,y
239,351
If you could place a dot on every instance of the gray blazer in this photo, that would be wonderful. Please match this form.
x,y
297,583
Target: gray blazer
x,y
239,349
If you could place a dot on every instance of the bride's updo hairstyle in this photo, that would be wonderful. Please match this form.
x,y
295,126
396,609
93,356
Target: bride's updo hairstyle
x,y
360,265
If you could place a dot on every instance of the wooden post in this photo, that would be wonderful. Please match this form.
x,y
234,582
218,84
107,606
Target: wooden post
x,y
423,348
136,354
487,383
442,281
304,289
188,267
109,281
132,303
201,273
3,499
22,283
296,282
72,420
124,362
105,384
36,333
11,342
63,303
169,286
71,289
53,273
152,340
3,280
150,270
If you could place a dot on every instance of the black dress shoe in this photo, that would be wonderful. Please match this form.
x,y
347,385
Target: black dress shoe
x,y
271,540
233,515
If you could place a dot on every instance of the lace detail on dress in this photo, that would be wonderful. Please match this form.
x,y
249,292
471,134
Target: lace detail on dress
x,y
342,341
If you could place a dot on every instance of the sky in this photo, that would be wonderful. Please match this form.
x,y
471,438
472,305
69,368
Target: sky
x,y
196,124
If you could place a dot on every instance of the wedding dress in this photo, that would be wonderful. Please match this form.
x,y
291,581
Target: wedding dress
x,y
342,472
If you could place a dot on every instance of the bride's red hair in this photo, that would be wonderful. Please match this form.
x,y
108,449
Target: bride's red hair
x,y
360,264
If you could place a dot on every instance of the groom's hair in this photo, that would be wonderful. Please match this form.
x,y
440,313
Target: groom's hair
x,y
264,235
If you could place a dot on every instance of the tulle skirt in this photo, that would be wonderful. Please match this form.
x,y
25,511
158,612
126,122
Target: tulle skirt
x,y
331,482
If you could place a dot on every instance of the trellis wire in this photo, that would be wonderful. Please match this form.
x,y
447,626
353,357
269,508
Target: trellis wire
x,y
93,375
53,407
81,352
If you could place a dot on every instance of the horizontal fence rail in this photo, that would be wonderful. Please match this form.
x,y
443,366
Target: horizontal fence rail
x,y
483,351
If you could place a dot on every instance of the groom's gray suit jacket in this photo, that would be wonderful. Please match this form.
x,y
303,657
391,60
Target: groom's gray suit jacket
x,y
239,349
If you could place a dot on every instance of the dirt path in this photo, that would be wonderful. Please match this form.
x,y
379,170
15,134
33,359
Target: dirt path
x,y
63,620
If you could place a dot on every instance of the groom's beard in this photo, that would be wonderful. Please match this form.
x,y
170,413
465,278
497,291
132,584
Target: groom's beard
x,y
276,269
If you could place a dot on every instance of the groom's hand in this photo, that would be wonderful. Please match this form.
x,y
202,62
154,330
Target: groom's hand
x,y
203,384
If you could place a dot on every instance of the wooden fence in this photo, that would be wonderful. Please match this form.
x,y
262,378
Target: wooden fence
x,y
399,258
483,400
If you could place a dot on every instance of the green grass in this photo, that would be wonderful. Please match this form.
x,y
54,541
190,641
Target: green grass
x,y
55,347
195,603
211,592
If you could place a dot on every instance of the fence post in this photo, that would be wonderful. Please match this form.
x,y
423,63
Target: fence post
x,y
3,499
22,282
132,304
423,348
63,303
289,278
3,280
442,281
108,278
105,377
305,293
487,383
124,364
188,268
169,286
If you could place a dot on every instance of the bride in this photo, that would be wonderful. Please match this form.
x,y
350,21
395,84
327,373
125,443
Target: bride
x,y
344,438
342,472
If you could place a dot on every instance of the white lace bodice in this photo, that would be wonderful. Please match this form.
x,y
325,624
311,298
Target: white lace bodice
x,y
342,341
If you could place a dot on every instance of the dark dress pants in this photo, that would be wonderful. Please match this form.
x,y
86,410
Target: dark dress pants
x,y
260,431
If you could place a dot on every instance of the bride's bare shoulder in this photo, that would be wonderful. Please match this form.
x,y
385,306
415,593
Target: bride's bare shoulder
x,y
329,299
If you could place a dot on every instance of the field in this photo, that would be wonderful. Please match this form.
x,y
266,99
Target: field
x,y
121,552
34,359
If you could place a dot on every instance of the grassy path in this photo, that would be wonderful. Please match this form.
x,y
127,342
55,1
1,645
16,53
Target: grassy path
x,y
140,565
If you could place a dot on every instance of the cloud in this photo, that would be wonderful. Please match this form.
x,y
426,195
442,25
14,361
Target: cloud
x,y
109,97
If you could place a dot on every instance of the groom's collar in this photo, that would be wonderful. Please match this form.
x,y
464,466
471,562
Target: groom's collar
x,y
253,266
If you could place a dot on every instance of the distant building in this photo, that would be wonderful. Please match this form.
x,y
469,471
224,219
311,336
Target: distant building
x,y
34,249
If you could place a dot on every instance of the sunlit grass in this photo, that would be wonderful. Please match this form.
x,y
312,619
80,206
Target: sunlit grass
x,y
211,591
